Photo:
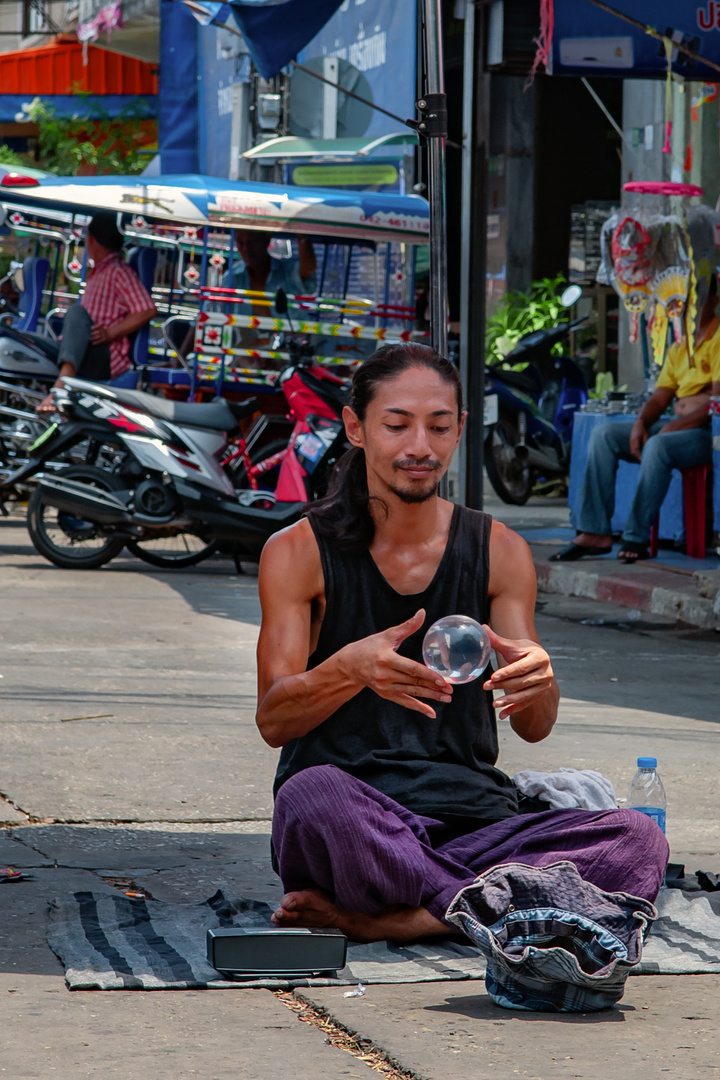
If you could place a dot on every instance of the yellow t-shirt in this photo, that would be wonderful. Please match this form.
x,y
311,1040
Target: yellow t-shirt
x,y
685,376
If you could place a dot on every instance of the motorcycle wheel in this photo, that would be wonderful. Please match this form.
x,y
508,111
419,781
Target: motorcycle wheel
x,y
512,481
69,542
172,552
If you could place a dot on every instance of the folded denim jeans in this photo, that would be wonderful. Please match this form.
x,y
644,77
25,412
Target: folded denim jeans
x,y
553,941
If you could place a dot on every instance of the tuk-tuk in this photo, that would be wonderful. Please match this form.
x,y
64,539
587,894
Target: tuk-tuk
x,y
212,338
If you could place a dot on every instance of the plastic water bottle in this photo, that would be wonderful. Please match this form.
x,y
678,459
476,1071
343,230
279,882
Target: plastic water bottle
x,y
646,792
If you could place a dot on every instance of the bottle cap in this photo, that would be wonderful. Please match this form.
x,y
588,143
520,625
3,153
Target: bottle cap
x,y
647,763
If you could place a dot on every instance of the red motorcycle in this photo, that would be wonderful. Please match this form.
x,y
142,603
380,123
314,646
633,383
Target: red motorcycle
x,y
286,471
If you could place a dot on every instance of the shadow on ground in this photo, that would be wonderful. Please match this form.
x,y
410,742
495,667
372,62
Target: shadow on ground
x,y
214,587
481,1007
663,669
185,865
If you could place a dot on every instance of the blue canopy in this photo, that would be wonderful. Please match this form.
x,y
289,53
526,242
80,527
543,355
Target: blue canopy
x,y
275,30
199,201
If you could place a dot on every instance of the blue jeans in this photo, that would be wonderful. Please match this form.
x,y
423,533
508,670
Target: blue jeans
x,y
609,444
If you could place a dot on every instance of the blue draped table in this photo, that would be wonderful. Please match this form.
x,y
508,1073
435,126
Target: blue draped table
x,y
671,513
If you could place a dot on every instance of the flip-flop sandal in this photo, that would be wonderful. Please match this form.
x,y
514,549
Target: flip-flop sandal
x,y
573,552
632,553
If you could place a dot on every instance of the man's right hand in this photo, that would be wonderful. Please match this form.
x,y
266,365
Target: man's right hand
x,y
374,662
99,334
638,437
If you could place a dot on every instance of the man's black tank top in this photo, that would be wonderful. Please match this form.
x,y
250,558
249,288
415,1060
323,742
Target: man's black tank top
x,y
442,768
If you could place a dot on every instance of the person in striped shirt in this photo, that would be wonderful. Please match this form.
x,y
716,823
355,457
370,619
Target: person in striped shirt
x,y
95,341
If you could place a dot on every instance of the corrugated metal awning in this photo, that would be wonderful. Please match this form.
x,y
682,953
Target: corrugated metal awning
x,y
53,70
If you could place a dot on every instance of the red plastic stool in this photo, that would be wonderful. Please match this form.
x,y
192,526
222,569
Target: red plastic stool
x,y
694,495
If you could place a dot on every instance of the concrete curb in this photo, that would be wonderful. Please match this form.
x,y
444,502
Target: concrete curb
x,y
642,588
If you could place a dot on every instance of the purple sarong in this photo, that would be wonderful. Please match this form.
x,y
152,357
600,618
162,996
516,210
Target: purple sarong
x,y
335,833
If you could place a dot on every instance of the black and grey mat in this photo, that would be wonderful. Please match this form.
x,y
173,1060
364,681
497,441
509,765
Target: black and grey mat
x,y
108,942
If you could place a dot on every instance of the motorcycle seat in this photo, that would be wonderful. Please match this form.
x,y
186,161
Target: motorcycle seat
x,y
336,395
46,345
214,415
517,379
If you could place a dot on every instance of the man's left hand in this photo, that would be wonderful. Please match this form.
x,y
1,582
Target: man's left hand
x,y
100,334
527,676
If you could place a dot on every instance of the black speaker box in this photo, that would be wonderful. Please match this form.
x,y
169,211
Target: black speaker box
x,y
272,952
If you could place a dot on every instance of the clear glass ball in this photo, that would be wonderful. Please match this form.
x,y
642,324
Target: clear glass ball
x,y
457,648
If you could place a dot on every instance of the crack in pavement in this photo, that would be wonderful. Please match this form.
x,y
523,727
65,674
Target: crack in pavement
x,y
345,1038
11,802
150,824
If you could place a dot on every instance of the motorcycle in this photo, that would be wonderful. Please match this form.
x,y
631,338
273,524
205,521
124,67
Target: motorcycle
x,y
529,414
176,470
27,371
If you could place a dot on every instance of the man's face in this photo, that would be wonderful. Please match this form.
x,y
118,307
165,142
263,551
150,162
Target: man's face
x,y
409,434
252,247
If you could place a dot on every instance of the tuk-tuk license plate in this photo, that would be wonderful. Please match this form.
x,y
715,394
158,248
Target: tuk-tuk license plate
x,y
490,410
43,438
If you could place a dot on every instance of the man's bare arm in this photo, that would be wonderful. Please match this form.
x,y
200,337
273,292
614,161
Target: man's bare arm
x,y
123,328
293,701
698,418
651,411
530,694
306,258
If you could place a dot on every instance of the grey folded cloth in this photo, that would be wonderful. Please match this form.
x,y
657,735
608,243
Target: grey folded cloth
x,y
567,789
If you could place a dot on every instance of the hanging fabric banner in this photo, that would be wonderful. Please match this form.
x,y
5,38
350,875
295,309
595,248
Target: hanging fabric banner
x,y
275,30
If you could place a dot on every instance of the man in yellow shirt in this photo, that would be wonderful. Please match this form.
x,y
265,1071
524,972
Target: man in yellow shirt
x,y
659,445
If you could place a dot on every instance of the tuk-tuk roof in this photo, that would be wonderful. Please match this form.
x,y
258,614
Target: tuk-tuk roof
x,y
207,200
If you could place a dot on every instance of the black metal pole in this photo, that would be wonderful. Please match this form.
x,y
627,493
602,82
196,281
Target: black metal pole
x,y
476,113
433,107
433,125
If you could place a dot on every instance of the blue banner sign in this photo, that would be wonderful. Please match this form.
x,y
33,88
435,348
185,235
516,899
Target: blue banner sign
x,y
378,39
587,40
222,62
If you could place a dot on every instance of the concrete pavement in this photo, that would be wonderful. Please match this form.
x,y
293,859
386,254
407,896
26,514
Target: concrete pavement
x,y
130,756
671,585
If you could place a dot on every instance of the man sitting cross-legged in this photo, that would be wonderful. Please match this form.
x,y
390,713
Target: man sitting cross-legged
x,y
387,799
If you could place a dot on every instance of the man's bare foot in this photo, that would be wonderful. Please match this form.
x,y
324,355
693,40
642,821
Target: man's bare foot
x,y
313,908
308,907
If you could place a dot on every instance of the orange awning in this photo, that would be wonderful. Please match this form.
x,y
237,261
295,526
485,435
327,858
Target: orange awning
x,y
59,69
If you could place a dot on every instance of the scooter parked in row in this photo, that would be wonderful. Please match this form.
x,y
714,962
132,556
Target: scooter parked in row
x,y
178,474
27,371
529,414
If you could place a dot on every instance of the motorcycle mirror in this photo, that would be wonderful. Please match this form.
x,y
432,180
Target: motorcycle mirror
x,y
571,296
281,304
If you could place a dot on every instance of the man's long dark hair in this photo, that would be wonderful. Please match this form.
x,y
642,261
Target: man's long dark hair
x,y
343,516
